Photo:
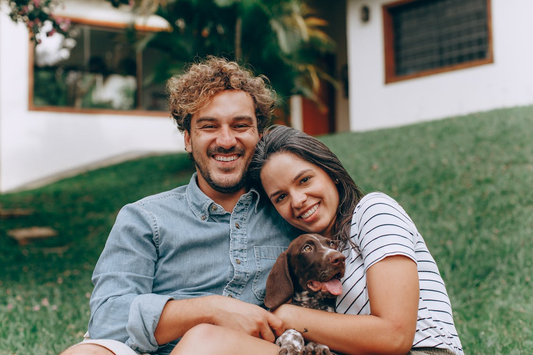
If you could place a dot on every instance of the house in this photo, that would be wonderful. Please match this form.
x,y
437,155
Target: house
x,y
418,60
58,121
398,62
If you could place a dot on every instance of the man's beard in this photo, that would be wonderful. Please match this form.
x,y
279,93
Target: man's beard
x,y
222,188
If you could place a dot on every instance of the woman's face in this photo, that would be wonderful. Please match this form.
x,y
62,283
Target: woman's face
x,y
303,194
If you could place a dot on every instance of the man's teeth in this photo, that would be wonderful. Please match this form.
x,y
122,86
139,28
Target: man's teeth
x,y
310,212
223,158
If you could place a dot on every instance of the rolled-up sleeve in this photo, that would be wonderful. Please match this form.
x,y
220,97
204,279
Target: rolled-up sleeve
x,y
123,305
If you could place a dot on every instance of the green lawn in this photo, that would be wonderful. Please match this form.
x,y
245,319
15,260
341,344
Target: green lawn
x,y
466,182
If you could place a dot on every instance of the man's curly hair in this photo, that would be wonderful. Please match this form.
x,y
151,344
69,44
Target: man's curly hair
x,y
192,91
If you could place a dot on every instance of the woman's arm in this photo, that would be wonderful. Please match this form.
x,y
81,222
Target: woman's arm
x,y
393,290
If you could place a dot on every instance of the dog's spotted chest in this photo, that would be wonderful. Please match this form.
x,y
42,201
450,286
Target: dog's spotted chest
x,y
315,301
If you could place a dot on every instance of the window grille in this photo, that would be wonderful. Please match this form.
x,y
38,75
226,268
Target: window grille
x,y
427,35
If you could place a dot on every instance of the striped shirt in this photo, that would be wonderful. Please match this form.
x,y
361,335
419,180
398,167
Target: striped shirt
x,y
381,228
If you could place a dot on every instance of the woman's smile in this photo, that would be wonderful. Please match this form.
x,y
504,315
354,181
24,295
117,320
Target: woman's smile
x,y
309,212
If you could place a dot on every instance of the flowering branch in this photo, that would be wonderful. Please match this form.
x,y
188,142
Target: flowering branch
x,y
34,14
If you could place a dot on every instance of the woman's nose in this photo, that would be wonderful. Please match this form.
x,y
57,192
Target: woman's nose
x,y
298,200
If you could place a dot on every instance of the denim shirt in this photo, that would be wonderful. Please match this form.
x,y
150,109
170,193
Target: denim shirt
x,y
176,245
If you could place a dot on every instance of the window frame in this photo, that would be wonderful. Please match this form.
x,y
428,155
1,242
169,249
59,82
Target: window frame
x,y
389,53
102,25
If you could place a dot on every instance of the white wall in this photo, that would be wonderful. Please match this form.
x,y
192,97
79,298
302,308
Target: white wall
x,y
505,83
37,145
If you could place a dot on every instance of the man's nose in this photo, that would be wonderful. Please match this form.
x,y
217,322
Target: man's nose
x,y
226,138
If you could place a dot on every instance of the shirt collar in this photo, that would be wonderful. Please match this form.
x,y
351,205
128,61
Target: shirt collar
x,y
203,206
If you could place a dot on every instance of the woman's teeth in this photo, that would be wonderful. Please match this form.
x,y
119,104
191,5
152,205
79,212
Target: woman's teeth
x,y
310,212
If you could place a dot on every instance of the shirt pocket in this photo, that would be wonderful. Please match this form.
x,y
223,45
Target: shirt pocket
x,y
265,257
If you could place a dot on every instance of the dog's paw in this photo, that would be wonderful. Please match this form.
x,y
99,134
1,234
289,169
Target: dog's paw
x,y
291,342
316,349
289,351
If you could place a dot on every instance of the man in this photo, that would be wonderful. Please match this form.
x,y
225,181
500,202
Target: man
x,y
201,253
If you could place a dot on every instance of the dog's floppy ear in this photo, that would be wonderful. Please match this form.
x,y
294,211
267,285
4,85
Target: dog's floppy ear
x,y
279,288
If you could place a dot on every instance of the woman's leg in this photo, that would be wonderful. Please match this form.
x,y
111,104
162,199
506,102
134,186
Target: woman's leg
x,y
207,339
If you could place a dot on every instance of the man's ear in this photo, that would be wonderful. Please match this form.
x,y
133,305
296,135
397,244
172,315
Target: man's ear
x,y
187,140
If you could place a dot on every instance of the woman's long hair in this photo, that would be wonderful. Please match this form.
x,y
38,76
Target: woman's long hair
x,y
283,139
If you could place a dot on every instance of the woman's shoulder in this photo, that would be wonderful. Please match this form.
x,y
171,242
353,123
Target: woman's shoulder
x,y
374,199
378,203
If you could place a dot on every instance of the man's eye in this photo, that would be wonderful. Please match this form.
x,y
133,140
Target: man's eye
x,y
307,248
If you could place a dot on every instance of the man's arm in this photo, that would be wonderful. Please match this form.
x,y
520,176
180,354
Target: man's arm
x,y
179,316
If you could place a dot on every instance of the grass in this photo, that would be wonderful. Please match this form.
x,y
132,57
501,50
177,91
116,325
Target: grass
x,y
465,181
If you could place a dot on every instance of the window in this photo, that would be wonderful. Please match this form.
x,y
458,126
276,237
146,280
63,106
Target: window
x,y
96,69
432,36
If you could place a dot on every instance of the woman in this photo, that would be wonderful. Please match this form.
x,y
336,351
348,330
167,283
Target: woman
x,y
393,301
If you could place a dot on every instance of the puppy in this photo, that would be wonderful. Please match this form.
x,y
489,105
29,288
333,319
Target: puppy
x,y
307,274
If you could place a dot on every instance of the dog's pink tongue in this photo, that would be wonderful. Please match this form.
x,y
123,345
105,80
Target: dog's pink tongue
x,y
334,286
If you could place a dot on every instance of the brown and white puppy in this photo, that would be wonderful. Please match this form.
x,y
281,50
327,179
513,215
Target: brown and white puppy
x,y
307,274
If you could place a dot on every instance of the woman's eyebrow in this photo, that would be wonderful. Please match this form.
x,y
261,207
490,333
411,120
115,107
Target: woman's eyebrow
x,y
304,171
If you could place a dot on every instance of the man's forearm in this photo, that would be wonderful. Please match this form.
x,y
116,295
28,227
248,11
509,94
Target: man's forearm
x,y
179,316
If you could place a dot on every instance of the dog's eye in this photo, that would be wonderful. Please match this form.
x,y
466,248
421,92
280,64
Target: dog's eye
x,y
307,248
333,244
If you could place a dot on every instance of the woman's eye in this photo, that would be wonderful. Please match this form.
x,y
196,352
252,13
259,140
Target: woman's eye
x,y
305,179
281,198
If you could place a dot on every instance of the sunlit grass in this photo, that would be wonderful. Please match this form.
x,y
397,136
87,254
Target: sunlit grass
x,y
465,181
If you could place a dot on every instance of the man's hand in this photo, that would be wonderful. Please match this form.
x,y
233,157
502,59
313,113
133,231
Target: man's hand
x,y
249,318
179,316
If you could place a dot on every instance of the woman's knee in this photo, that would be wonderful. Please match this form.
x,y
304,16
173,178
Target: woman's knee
x,y
203,332
201,339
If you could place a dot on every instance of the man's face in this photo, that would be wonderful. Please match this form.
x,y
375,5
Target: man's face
x,y
222,142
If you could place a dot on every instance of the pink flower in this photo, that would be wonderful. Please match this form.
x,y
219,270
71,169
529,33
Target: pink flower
x,y
36,307
45,302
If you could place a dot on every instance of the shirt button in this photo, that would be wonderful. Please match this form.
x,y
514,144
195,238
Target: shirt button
x,y
230,296
204,217
238,261
214,208
237,225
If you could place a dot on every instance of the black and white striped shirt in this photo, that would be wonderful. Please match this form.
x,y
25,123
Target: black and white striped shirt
x,y
381,228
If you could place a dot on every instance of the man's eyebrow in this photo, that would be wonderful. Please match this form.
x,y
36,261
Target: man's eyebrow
x,y
236,118
299,175
205,119
243,118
